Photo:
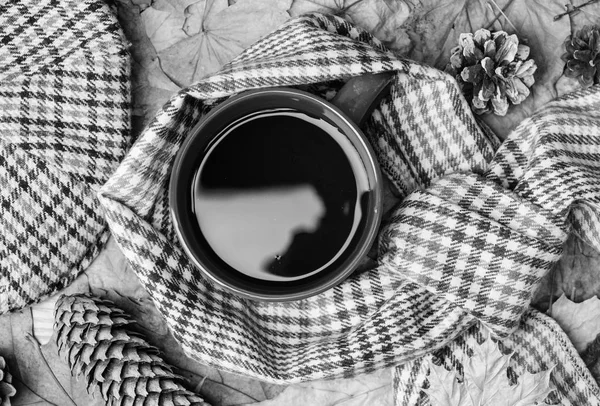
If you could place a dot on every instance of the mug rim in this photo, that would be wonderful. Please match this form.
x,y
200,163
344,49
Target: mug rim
x,y
373,219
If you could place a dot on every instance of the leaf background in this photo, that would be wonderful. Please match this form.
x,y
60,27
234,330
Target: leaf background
x,y
169,50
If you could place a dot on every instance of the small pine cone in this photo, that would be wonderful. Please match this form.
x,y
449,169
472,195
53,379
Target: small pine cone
x,y
492,70
6,388
93,336
583,55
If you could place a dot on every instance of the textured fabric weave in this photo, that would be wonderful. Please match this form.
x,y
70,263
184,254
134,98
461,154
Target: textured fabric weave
x,y
474,243
64,127
420,297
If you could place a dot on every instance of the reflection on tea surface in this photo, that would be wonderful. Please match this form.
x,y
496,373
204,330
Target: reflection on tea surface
x,y
258,224
276,196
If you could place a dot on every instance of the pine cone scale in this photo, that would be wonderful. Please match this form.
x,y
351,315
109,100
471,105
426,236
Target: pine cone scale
x,y
94,337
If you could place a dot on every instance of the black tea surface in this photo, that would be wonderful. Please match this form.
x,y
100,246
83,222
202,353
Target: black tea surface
x,y
278,194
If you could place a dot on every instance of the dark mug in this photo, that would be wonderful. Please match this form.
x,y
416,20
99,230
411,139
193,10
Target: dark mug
x,y
276,193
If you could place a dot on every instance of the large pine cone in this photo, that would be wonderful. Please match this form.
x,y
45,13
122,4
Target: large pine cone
x,y
583,55
492,70
6,388
94,338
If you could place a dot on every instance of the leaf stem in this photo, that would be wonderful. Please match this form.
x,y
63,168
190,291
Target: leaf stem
x,y
503,14
198,387
571,9
38,348
358,395
222,382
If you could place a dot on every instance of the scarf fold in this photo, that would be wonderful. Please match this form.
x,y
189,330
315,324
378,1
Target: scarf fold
x,y
475,244
467,243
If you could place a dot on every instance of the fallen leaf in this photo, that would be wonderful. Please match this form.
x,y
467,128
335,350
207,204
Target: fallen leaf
x,y
142,3
32,378
163,24
485,372
531,389
576,275
435,25
222,388
446,390
368,389
580,321
197,40
150,87
382,18
485,382
565,85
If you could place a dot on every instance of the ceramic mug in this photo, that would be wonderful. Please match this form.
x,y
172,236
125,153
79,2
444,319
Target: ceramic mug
x,y
276,193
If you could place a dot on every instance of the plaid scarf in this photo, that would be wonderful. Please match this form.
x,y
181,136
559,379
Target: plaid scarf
x,y
64,127
468,244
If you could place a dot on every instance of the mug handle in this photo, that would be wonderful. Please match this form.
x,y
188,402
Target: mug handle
x,y
362,94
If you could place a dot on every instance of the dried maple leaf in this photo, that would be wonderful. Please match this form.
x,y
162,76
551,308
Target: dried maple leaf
x,y
577,275
194,39
367,389
444,387
580,321
485,382
485,372
150,87
382,18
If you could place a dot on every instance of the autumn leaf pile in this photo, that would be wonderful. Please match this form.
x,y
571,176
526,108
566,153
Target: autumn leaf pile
x,y
485,382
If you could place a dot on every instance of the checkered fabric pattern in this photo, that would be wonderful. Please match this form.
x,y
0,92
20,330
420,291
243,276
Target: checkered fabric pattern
x,y
552,159
474,243
537,345
413,303
64,127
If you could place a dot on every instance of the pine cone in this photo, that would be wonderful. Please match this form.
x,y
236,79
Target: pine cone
x,y
94,337
583,55
492,70
6,388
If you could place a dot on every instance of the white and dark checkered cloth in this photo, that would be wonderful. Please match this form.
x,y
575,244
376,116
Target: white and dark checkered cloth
x,y
64,127
467,246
